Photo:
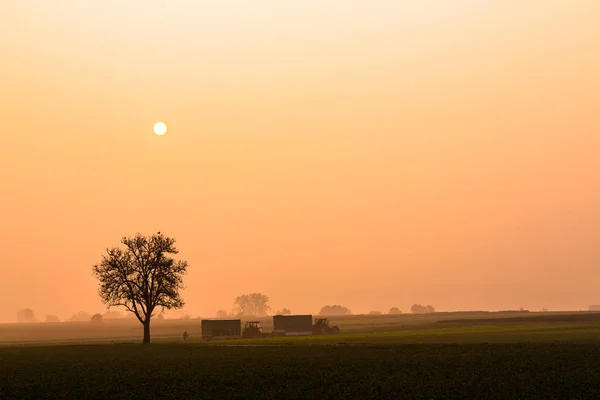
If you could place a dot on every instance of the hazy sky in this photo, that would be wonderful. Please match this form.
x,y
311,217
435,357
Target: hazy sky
x,y
372,154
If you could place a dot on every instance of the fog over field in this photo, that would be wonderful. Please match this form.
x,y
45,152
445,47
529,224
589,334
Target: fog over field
x,y
364,154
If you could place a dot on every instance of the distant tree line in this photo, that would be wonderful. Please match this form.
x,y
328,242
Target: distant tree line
x,y
335,309
52,319
421,309
81,316
246,305
26,316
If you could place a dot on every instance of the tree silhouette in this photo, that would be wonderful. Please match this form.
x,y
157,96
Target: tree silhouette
x,y
335,309
96,319
142,277
52,319
26,316
421,309
81,316
394,310
111,315
253,304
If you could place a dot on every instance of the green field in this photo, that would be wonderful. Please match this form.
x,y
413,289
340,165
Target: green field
x,y
411,323
448,356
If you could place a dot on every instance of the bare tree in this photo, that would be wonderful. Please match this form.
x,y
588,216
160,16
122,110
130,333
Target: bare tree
x,y
253,304
142,277
284,311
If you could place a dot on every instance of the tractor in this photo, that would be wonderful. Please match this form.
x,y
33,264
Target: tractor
x,y
253,330
322,327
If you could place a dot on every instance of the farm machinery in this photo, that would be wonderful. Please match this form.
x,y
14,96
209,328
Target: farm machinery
x,y
293,325
253,330
322,327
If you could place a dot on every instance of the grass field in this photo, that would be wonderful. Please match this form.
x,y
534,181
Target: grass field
x,y
132,329
546,356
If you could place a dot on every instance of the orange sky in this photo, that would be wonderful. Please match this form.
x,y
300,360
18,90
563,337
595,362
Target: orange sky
x,y
372,155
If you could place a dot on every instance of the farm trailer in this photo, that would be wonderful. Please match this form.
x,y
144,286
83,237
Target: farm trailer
x,y
292,325
213,329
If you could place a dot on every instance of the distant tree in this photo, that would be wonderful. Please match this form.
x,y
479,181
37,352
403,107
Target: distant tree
x,y
81,316
142,277
160,316
253,304
112,315
394,311
284,311
186,317
96,319
375,313
418,309
52,319
26,316
421,309
335,310
222,314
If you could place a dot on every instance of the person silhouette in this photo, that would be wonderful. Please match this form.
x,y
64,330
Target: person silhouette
x,y
185,335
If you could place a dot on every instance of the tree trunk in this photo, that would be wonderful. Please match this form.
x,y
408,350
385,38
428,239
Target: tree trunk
x,y
147,331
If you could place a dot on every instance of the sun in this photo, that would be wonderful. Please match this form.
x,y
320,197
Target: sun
x,y
160,128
